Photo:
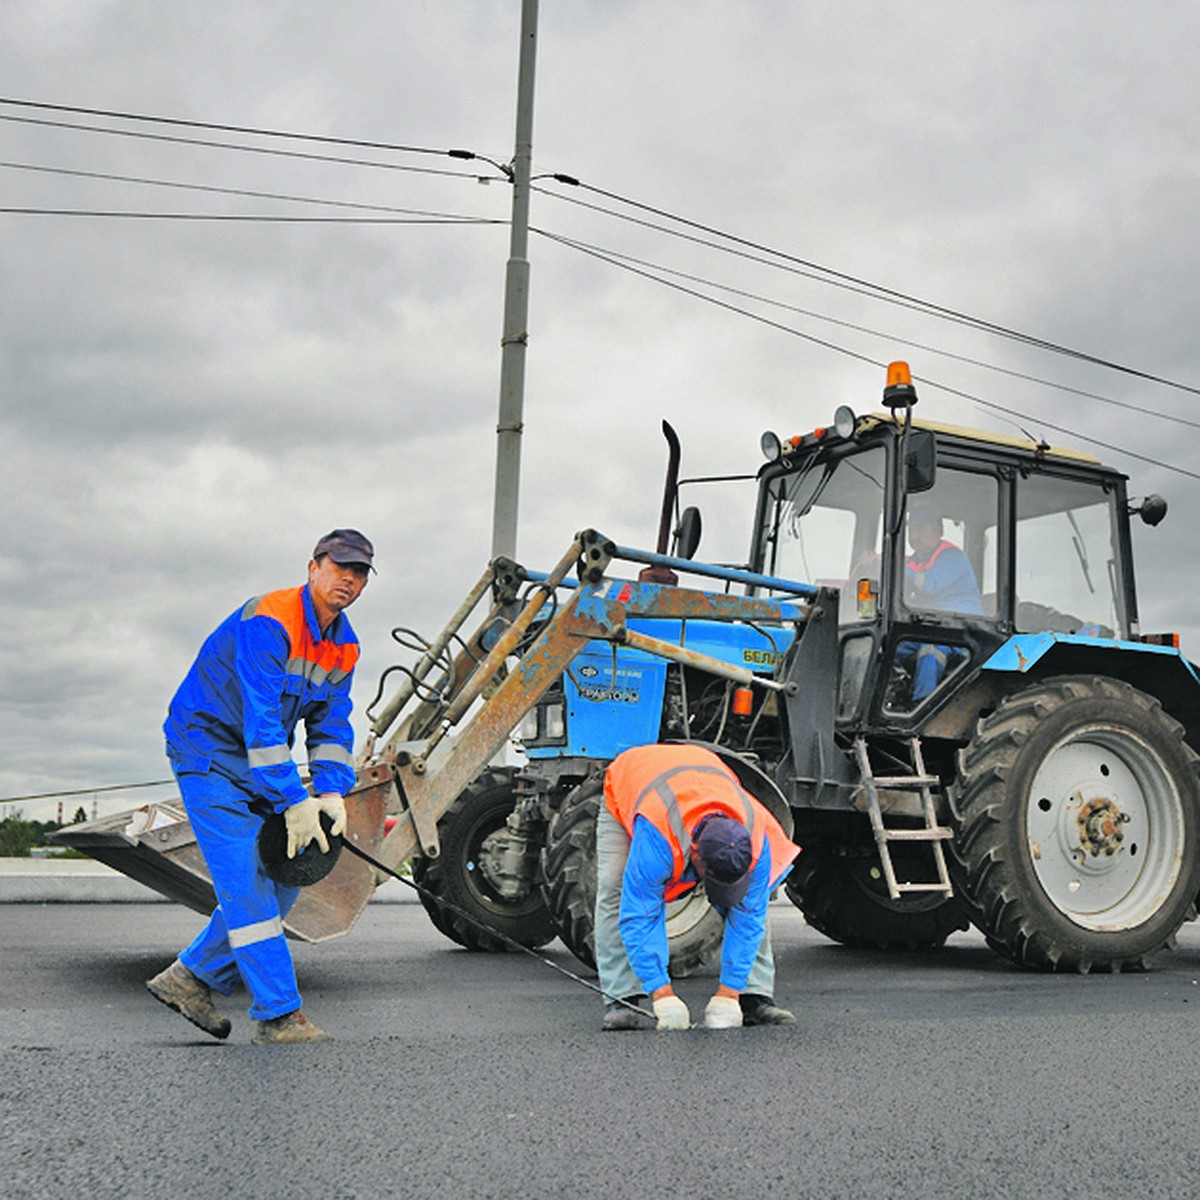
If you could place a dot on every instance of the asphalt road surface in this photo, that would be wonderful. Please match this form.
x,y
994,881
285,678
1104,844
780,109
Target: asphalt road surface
x,y
939,1074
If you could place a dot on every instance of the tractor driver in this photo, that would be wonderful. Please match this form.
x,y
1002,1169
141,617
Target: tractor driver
x,y
675,817
937,577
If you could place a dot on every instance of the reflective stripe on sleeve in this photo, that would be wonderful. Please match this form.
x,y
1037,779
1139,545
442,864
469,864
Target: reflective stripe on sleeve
x,y
314,673
331,752
260,931
268,756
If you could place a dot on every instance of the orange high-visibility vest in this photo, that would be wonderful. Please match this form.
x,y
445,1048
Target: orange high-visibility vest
x,y
674,788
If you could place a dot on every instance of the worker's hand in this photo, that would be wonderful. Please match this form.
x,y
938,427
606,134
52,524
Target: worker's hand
x,y
723,1012
672,1013
334,806
304,826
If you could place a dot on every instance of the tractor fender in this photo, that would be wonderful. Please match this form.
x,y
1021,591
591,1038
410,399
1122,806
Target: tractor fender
x,y
755,781
1159,671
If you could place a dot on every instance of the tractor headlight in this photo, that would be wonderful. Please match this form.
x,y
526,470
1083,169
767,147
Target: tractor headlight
x,y
554,724
545,723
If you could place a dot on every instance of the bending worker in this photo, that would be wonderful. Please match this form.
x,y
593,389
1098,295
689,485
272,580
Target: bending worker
x,y
674,817
279,659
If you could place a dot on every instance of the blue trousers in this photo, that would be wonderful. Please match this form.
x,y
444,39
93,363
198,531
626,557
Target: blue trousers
x,y
244,940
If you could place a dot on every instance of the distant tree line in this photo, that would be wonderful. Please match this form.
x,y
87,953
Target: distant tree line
x,y
19,836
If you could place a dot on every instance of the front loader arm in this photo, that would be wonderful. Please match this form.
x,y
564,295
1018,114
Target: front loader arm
x,y
430,775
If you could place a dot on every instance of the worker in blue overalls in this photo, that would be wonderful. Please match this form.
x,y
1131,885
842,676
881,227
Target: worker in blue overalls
x,y
279,659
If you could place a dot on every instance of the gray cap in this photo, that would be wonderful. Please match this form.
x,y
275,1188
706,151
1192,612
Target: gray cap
x,y
346,546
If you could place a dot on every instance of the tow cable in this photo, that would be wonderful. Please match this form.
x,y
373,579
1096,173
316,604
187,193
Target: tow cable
x,y
481,925
312,865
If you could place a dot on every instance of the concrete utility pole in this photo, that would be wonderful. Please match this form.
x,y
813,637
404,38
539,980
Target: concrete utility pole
x,y
516,305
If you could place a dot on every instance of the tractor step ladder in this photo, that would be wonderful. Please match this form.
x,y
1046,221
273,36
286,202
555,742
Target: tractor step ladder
x,y
931,832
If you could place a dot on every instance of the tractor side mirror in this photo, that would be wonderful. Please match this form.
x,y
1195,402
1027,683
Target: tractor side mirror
x,y
1152,509
920,461
687,533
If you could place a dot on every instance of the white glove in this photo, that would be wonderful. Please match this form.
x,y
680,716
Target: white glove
x,y
672,1013
304,826
723,1012
335,807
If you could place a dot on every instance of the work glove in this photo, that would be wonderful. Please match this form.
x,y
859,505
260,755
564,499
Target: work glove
x,y
304,825
672,1013
334,807
723,1012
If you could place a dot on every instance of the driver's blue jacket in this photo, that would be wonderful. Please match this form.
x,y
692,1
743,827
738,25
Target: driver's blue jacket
x,y
264,669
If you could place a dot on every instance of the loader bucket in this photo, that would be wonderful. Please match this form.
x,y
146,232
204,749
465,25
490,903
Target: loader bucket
x,y
155,845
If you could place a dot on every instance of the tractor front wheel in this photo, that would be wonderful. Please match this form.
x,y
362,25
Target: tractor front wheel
x,y
457,875
1076,815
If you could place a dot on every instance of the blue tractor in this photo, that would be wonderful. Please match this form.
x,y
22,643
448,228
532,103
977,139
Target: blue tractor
x,y
930,667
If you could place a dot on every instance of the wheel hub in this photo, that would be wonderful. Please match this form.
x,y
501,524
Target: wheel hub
x,y
507,861
1100,820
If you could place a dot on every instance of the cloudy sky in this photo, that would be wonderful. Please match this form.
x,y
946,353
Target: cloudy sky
x,y
186,404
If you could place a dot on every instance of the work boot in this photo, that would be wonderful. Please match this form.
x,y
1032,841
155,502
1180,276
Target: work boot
x,y
292,1029
179,989
618,1017
762,1010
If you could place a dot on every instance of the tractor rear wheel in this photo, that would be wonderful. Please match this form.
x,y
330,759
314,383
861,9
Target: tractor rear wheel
x,y
694,928
846,899
1076,814
456,875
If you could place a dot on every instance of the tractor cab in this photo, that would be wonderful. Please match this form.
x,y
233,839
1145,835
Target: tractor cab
x,y
943,543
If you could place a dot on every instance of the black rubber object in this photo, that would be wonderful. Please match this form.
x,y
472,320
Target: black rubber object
x,y
309,866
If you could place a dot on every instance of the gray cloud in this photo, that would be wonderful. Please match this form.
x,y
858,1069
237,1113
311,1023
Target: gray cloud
x,y
185,406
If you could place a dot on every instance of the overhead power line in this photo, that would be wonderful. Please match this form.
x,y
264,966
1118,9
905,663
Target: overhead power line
x,y
262,218
107,176
609,254
113,787
618,258
827,273
251,130
272,151
882,292
727,242
1037,421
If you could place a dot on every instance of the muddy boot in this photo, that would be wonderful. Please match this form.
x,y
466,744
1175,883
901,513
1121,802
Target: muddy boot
x,y
292,1029
179,989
